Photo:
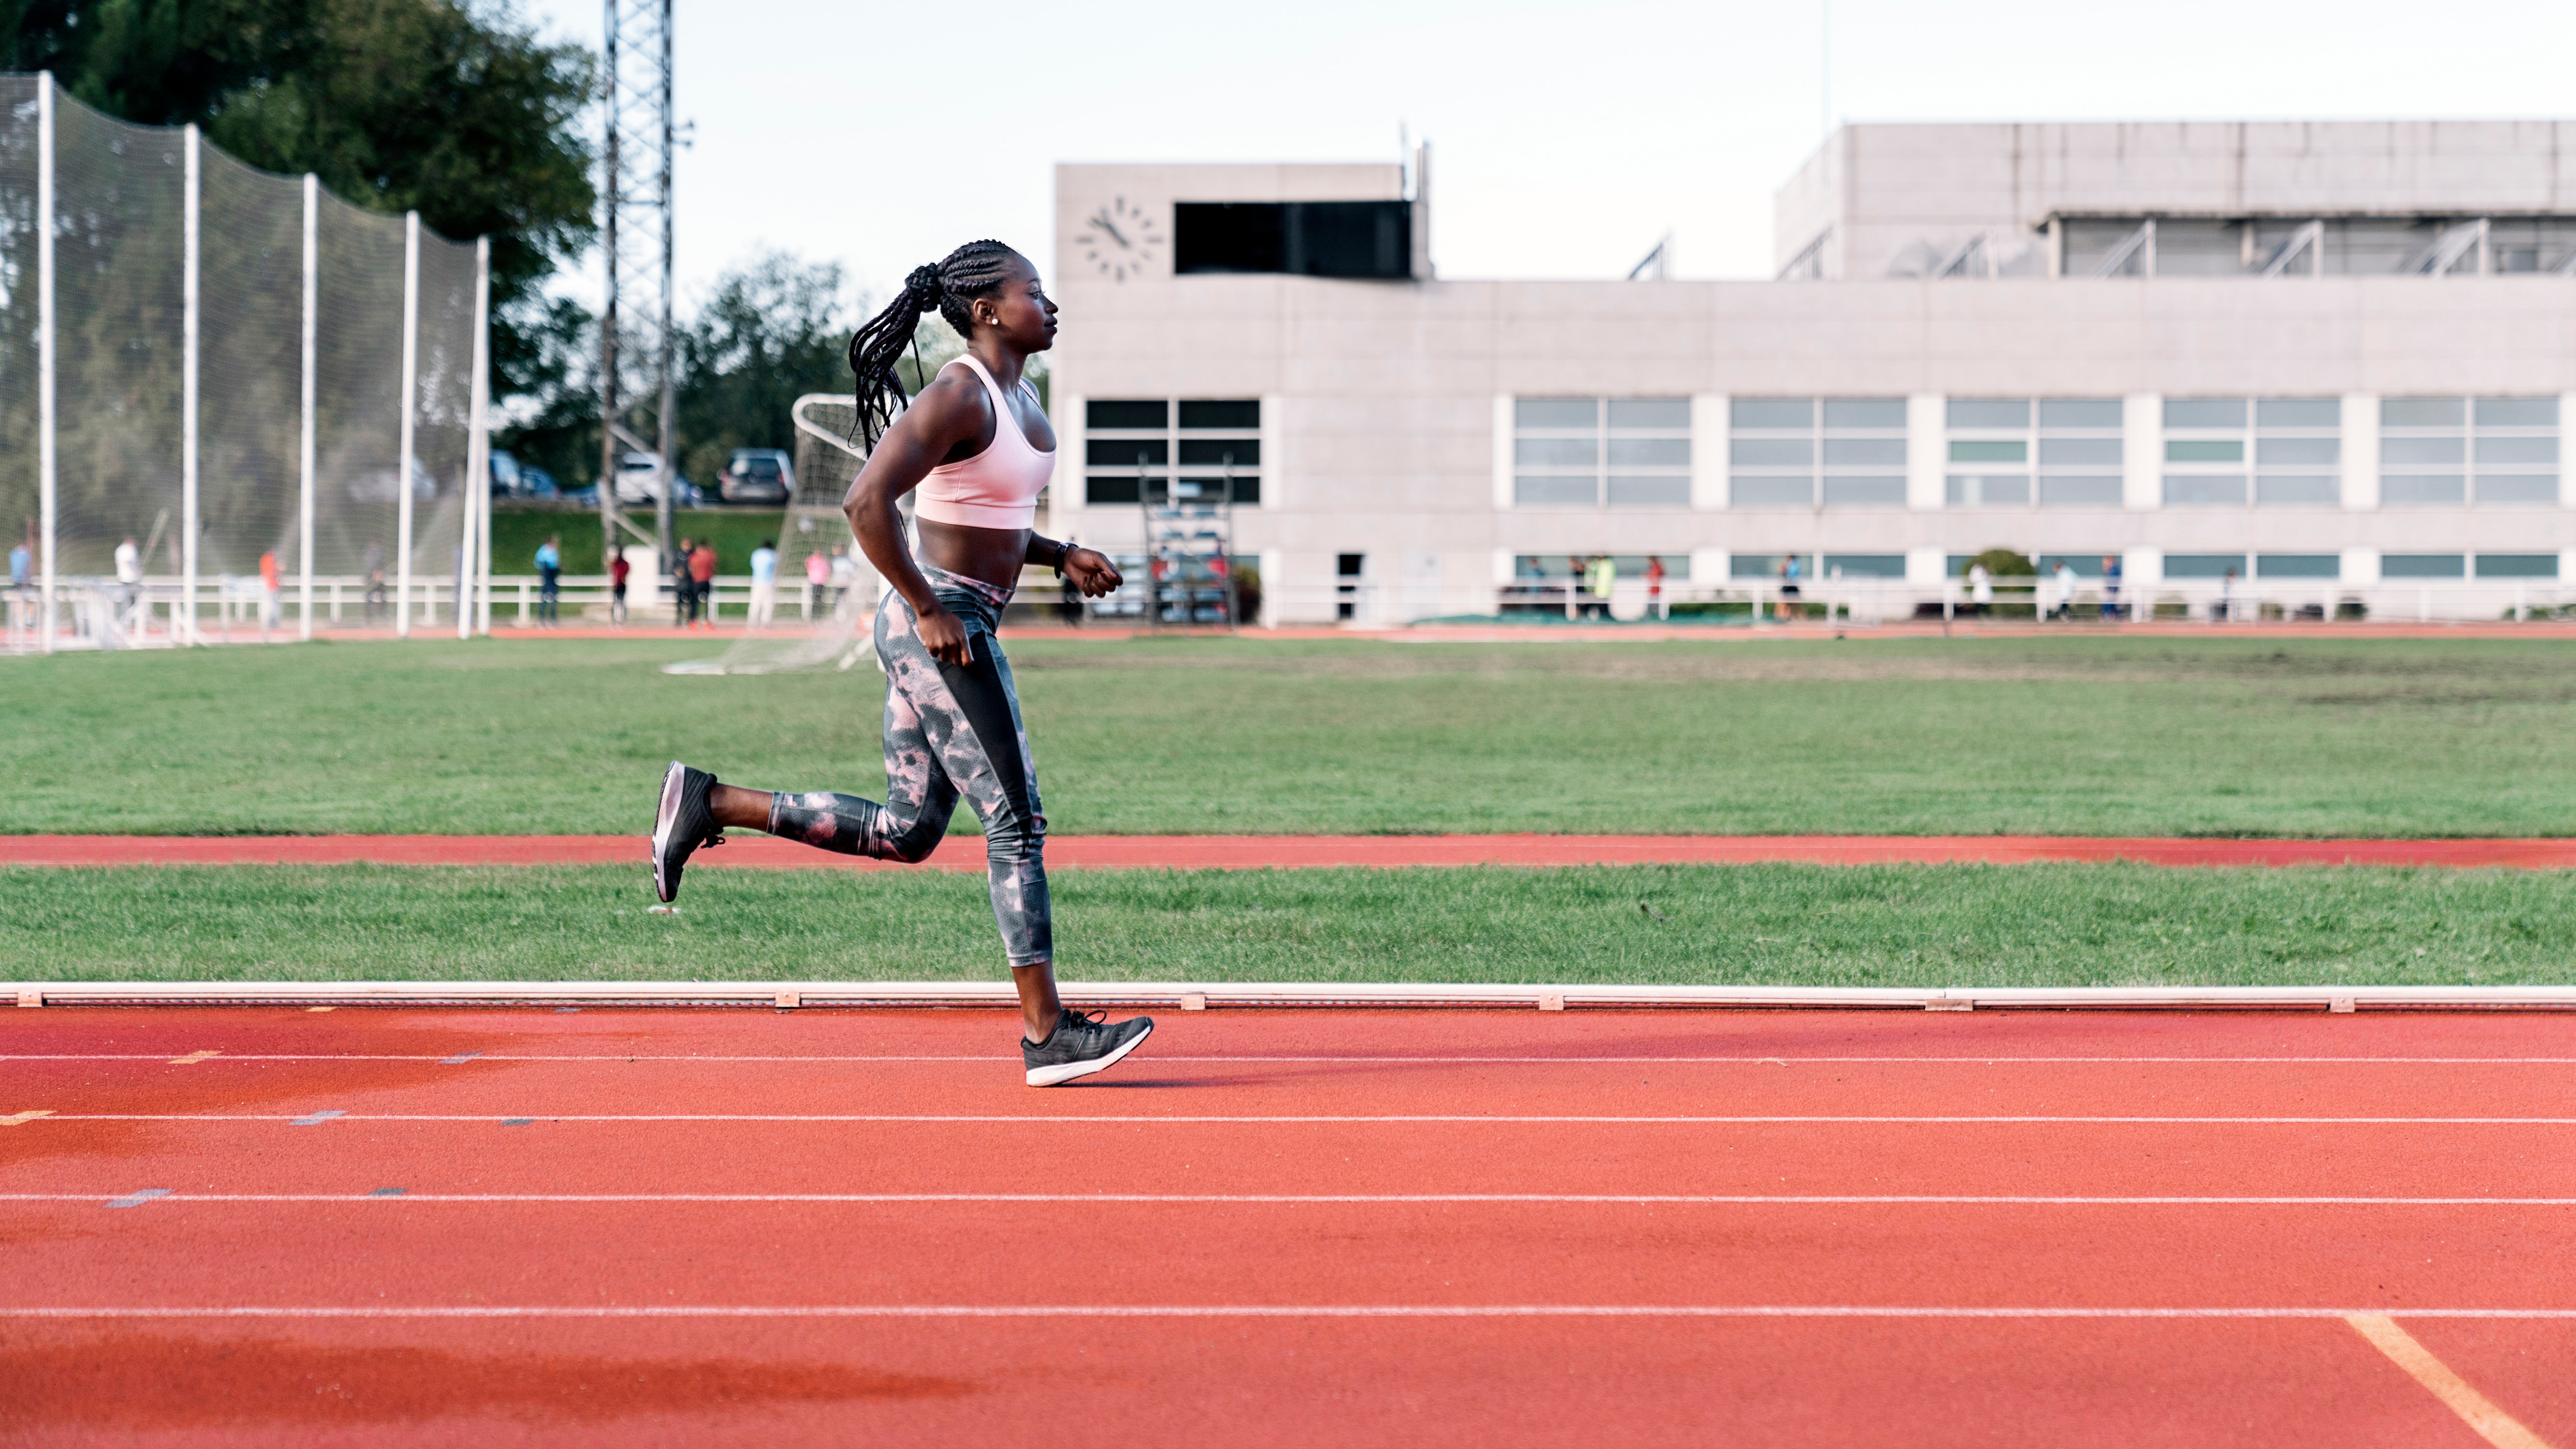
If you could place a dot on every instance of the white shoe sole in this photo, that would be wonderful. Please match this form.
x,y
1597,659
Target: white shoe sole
x,y
672,780
1052,1076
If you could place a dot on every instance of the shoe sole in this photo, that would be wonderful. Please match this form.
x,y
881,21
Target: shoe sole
x,y
1057,1075
673,781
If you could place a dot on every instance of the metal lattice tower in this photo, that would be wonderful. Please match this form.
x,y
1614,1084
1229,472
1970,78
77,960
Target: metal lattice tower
x,y
635,337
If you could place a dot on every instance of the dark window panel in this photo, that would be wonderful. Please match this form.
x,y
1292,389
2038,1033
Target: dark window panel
x,y
1121,452
1097,491
1246,451
1357,239
1221,413
1111,413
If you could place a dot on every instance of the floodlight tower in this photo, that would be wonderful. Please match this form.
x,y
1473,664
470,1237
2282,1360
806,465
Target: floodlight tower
x,y
635,337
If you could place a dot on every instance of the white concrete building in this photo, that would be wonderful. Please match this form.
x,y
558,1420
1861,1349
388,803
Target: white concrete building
x,y
2326,359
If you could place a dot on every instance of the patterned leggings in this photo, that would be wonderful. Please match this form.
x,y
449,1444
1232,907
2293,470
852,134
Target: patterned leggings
x,y
949,729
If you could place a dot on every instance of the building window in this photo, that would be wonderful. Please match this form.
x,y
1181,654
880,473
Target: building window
x,y
1836,452
1767,565
2494,451
1864,566
1592,452
2517,565
2422,566
1360,239
2298,566
1348,570
2012,452
2273,452
2204,565
1133,451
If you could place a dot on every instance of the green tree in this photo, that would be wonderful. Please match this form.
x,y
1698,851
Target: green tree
x,y
448,107
768,333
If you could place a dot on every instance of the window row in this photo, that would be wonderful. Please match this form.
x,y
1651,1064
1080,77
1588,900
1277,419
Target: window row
x,y
1595,452
1165,451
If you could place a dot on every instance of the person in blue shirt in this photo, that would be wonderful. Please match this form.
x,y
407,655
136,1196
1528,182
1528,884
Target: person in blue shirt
x,y
549,580
21,562
764,583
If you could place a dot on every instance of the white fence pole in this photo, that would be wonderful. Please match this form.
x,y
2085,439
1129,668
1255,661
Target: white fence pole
x,y
45,464
478,452
188,293
410,406
304,462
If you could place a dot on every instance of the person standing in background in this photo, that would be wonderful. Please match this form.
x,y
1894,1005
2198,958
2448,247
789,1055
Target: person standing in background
x,y
22,563
2110,586
818,583
702,576
270,589
549,580
1655,588
129,576
1981,589
1788,586
684,593
618,570
1598,581
371,567
764,584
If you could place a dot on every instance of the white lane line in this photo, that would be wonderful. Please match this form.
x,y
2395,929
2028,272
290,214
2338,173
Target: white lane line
x,y
1379,1199
2475,1409
1362,1060
1053,1119
316,1119
137,1198
1245,1310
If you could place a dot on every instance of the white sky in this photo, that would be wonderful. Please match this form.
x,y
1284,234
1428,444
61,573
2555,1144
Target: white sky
x,y
1566,137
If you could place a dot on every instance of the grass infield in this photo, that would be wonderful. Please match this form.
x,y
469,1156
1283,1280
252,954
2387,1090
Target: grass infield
x,y
1799,925
2077,736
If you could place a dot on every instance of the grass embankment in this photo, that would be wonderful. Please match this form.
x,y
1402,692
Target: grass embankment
x,y
734,531
1922,736
2035,925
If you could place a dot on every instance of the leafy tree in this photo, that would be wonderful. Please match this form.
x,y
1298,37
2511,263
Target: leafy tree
x,y
768,333
452,108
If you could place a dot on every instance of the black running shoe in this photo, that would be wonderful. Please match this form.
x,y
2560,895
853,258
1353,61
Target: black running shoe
x,y
1082,1043
683,824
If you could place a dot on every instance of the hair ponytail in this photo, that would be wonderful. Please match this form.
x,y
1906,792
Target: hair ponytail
x,y
949,286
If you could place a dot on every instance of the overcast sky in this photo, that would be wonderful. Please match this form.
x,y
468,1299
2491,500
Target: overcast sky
x,y
1566,138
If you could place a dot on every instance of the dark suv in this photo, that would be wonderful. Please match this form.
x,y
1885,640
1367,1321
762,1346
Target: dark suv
x,y
757,475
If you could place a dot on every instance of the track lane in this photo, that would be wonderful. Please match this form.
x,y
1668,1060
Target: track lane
x,y
346,1155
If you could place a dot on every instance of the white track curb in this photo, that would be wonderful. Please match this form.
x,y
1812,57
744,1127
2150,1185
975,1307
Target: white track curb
x,y
1194,996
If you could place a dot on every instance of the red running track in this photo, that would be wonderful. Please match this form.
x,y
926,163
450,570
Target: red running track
x,y
501,1227
1252,852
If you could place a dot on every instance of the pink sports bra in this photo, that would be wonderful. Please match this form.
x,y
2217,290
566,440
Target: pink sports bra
x,y
998,487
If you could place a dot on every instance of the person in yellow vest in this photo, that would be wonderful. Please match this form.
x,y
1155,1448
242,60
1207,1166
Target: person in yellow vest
x,y
1597,580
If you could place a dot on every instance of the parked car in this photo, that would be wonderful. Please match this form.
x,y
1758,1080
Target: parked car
x,y
639,478
507,480
539,482
758,475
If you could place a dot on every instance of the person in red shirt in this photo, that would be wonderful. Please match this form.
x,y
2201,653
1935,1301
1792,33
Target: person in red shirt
x,y
269,587
618,569
1655,588
702,573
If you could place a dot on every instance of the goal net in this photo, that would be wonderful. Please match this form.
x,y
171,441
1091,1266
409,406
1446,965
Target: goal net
x,y
816,559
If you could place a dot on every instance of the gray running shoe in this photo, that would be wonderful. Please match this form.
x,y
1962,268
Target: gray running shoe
x,y
683,824
1082,1043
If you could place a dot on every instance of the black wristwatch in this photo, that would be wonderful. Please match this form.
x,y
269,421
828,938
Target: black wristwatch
x,y
1063,551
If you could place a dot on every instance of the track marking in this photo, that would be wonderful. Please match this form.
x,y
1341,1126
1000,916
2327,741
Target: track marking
x,y
318,1118
458,1059
30,1115
1258,1310
321,1008
138,1198
1374,1199
192,1058
2492,1424
1053,1119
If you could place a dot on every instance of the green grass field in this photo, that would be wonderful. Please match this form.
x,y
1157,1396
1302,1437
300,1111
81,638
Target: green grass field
x,y
1916,736
2034,925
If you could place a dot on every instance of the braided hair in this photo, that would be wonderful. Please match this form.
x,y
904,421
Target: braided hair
x,y
977,269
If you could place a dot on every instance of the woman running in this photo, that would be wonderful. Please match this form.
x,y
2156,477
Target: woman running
x,y
977,446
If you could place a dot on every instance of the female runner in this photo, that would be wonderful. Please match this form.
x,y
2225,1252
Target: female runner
x,y
977,446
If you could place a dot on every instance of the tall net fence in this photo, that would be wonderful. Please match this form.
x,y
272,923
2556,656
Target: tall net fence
x,y
286,278
816,551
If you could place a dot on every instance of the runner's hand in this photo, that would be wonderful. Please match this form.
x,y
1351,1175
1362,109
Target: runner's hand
x,y
1091,571
945,638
